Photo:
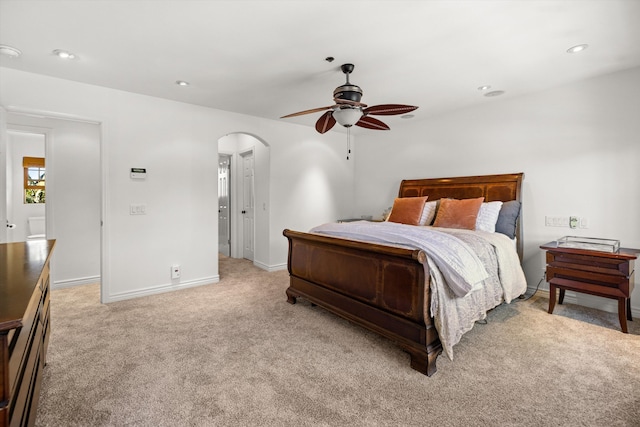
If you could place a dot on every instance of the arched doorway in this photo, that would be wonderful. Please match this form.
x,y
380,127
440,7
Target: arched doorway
x,y
246,198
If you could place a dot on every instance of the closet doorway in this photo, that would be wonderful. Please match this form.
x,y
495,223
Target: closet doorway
x,y
224,203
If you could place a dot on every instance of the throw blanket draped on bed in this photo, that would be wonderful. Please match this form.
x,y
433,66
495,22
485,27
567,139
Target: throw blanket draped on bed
x,y
471,271
459,265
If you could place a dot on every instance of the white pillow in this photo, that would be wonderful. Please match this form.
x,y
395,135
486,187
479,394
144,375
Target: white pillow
x,y
488,216
428,212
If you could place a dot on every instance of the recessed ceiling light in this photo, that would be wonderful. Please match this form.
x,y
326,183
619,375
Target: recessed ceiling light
x,y
64,54
9,51
494,93
486,87
577,48
407,116
182,83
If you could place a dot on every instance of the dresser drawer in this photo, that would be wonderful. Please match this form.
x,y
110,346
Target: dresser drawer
x,y
22,397
45,317
21,339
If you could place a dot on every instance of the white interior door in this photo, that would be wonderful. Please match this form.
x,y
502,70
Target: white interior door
x,y
247,205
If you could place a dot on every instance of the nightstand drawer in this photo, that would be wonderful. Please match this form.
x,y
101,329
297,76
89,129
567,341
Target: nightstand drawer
x,y
588,263
608,280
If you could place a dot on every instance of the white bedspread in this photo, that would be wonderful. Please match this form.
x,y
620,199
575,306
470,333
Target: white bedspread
x,y
471,272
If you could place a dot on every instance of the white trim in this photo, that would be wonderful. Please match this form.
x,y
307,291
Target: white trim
x,y
270,268
61,284
4,141
43,114
161,289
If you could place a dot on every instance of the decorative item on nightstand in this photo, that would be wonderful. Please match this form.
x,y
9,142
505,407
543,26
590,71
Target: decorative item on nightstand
x,y
362,218
386,213
594,266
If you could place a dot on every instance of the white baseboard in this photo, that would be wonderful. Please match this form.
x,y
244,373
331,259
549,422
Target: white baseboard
x,y
599,303
160,289
61,284
270,268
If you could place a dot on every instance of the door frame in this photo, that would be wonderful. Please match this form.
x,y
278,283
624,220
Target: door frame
x,y
102,147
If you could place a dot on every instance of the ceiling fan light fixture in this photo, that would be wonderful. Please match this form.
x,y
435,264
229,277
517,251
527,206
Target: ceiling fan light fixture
x,y
347,117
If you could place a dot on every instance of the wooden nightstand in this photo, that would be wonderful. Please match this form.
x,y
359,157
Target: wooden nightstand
x,y
603,274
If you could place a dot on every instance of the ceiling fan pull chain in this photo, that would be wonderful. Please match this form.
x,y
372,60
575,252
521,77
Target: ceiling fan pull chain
x,y
348,142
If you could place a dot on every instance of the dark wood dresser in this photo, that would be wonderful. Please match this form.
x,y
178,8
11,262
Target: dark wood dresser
x,y
24,328
608,275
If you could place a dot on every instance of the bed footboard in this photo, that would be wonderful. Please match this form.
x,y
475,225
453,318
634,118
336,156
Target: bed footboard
x,y
379,287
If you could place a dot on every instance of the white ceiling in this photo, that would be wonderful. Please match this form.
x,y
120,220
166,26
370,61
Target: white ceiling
x,y
267,58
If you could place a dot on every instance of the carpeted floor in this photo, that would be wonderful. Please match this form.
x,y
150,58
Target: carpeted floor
x,y
237,354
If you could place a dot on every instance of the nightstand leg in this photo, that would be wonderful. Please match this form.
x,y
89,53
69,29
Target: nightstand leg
x,y
622,314
561,298
552,297
629,309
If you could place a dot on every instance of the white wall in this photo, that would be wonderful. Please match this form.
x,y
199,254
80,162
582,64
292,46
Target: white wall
x,y
578,146
20,145
311,182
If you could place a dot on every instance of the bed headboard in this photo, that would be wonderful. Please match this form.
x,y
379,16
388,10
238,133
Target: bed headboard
x,y
492,187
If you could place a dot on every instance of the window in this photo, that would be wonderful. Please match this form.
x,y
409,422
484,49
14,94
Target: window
x,y
34,179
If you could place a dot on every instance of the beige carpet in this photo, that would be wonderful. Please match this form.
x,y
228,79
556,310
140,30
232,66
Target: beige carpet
x,y
237,354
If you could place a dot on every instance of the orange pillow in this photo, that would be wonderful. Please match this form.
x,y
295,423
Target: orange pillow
x,y
407,210
454,213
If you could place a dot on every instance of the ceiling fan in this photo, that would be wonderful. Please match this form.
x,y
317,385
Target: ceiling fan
x,y
349,111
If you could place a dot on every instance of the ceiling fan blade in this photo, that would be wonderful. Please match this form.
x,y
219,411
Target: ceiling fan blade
x,y
325,122
371,123
389,109
313,110
349,102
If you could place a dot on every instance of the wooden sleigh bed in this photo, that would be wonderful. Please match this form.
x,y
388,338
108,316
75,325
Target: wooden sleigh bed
x,y
383,288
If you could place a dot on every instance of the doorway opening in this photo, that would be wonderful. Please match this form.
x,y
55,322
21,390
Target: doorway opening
x,y
247,219
72,212
25,189
224,204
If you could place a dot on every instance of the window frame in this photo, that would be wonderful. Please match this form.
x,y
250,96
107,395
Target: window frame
x,y
31,163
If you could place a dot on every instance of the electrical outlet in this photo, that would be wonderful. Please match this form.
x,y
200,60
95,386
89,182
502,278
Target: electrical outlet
x,y
573,221
175,271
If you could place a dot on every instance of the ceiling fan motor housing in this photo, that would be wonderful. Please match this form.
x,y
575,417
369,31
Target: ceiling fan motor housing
x,y
348,92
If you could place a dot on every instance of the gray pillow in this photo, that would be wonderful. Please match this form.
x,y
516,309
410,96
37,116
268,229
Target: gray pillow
x,y
508,218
